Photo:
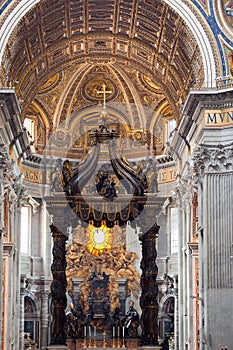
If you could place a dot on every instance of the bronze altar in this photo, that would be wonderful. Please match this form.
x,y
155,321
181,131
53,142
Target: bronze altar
x,y
68,206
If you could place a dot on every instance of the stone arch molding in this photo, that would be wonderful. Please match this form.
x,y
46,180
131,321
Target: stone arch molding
x,y
202,39
207,51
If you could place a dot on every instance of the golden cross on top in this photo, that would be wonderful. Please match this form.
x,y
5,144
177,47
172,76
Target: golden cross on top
x,y
104,92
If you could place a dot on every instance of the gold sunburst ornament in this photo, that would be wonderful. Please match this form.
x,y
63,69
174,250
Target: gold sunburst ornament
x,y
100,239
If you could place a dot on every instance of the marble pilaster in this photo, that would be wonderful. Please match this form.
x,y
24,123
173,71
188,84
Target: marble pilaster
x,y
44,319
213,167
21,326
43,241
183,197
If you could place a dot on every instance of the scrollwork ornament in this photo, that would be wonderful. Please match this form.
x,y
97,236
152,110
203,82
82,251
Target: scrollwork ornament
x,y
179,192
5,163
19,189
198,164
10,177
183,193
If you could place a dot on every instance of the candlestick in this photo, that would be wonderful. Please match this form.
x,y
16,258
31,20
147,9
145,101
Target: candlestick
x,y
85,337
85,342
113,341
113,332
123,338
90,332
89,343
104,340
118,338
94,337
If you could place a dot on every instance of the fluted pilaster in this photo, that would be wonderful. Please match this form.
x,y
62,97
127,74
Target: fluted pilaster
x,y
219,223
216,164
213,169
44,319
21,326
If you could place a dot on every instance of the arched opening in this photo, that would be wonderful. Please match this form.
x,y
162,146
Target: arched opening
x,y
166,320
31,321
150,55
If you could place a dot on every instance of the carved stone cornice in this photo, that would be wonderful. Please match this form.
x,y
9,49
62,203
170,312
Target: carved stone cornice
x,y
206,159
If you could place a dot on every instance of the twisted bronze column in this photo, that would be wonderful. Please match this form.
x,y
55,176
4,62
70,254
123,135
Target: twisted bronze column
x,y
58,287
148,300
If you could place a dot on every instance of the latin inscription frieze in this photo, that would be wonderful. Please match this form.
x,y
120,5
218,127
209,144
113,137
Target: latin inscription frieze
x,y
219,117
34,176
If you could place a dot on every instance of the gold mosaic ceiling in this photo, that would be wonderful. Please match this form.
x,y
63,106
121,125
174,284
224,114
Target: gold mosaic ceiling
x,y
62,51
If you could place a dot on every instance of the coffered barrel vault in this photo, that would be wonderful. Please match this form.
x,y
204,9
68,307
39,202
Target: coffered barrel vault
x,y
149,53
158,74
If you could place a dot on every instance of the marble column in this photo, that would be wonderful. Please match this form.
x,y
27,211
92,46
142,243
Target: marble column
x,y
43,241
183,195
178,198
176,314
1,263
21,326
44,319
2,178
7,184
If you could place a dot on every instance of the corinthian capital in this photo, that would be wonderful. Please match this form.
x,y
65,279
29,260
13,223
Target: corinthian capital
x,y
206,159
